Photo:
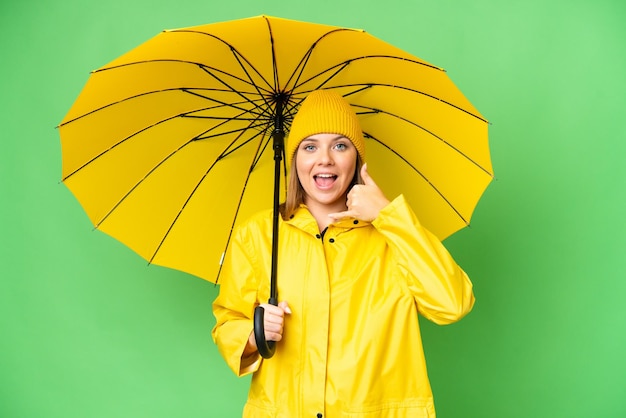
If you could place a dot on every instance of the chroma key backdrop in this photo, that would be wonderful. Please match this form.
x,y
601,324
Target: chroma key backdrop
x,y
88,329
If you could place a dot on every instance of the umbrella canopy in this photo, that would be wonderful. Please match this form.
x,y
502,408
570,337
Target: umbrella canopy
x,y
170,146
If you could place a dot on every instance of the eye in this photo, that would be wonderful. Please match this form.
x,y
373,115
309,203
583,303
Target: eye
x,y
341,146
308,147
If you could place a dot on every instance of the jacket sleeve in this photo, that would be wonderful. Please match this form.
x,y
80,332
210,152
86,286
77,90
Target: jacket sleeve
x,y
442,290
234,307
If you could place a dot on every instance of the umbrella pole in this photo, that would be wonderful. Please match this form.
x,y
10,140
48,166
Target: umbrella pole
x,y
268,348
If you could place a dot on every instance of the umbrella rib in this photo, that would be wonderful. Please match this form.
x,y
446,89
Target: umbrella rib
x,y
430,96
230,88
343,64
339,68
129,192
301,65
274,63
188,90
235,105
204,136
117,144
259,104
194,63
443,197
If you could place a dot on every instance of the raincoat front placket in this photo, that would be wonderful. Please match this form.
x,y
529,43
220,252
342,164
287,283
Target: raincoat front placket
x,y
316,323
316,297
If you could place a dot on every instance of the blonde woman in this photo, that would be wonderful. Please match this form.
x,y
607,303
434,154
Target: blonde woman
x,y
354,272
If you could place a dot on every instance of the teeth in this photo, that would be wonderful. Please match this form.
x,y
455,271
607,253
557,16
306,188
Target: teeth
x,y
326,176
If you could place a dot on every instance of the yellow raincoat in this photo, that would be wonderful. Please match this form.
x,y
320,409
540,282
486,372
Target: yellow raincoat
x,y
352,345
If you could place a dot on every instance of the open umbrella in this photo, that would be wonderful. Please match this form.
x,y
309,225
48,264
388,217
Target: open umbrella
x,y
171,145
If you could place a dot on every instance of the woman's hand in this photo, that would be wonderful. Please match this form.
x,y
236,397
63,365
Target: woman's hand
x,y
273,322
365,201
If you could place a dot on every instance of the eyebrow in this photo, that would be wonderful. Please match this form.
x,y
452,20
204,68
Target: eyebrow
x,y
316,140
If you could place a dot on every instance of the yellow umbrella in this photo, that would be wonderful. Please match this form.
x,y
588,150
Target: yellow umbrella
x,y
169,146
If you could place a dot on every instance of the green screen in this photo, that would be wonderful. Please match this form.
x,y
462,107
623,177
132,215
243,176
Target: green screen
x,y
87,329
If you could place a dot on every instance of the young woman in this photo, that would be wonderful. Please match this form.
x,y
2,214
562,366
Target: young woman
x,y
354,271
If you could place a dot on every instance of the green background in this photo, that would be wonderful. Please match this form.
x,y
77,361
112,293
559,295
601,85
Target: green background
x,y
88,330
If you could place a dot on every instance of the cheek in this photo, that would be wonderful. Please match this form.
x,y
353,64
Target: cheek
x,y
301,170
303,164
349,166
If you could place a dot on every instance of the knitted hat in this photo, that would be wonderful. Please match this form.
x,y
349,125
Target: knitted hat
x,y
324,112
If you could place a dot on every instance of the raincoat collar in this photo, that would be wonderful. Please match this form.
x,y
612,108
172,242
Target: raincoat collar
x,y
304,220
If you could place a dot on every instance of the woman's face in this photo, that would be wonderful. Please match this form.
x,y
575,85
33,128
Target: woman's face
x,y
326,164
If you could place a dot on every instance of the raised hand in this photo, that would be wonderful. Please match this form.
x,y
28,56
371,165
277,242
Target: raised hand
x,y
365,200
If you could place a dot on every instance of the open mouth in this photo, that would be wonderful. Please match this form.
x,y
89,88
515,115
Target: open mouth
x,y
324,181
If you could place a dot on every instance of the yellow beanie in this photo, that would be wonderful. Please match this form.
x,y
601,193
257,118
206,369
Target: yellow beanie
x,y
324,112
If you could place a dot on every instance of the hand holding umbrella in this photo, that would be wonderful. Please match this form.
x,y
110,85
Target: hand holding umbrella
x,y
273,324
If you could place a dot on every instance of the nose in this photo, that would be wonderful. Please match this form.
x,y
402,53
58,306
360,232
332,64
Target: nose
x,y
325,156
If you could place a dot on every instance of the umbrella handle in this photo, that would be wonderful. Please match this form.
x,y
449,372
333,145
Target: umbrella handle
x,y
266,348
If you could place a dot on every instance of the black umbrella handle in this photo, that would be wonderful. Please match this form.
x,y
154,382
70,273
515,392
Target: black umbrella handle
x,y
266,348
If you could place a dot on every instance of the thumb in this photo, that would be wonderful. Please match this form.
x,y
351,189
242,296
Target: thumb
x,y
284,306
365,175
